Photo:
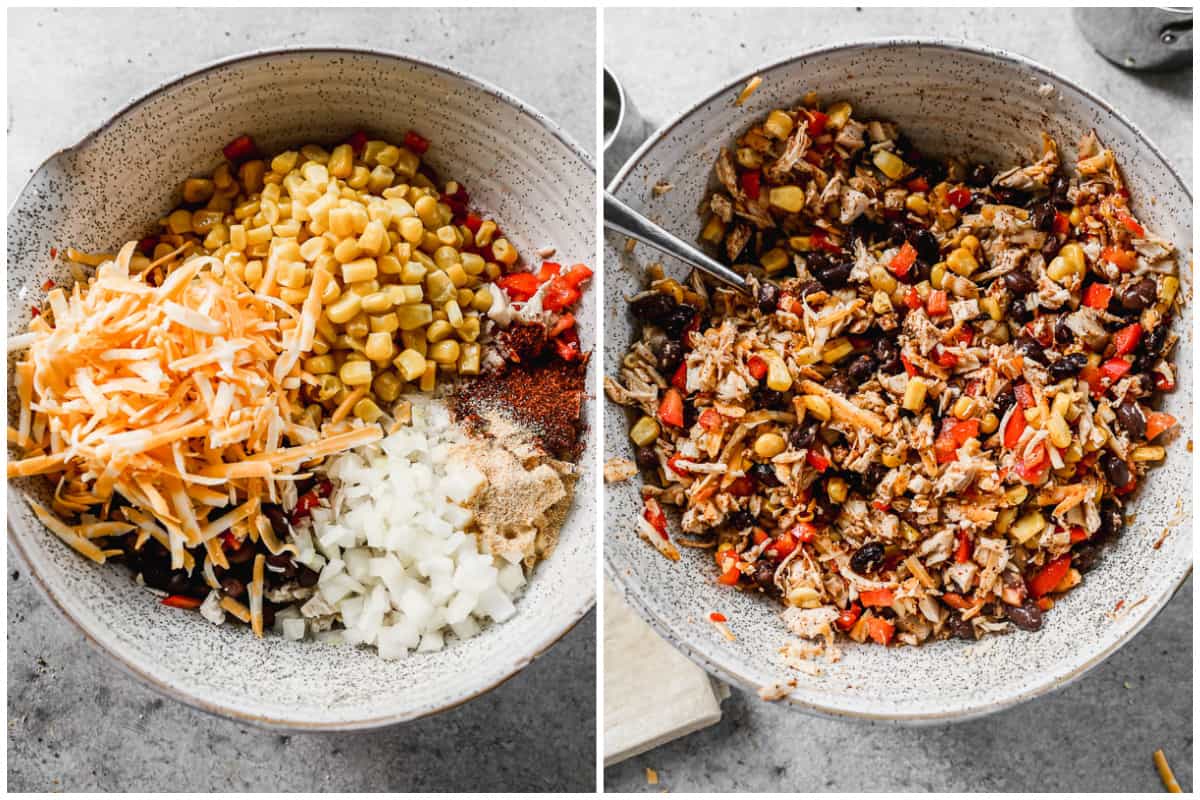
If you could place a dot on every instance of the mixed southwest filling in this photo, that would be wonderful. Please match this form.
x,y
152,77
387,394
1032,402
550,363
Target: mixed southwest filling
x,y
928,419
298,404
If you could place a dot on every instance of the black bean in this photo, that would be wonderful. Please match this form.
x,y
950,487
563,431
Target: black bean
x,y
802,437
653,307
678,318
1140,295
765,474
841,383
1068,366
770,399
768,298
242,555
308,577
1031,348
809,287
178,582
764,575
887,353
919,271
740,519
268,614
868,558
875,474
960,628
233,587
861,369
1043,216
671,355
283,561
1020,312
646,457
1010,197
1027,617
1004,401
1131,419
305,486
278,519
934,171
1111,522
1050,248
1085,555
979,175
1058,191
926,244
825,510
1019,282
836,275
1115,470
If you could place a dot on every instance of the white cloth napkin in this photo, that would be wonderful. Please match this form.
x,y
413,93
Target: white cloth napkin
x,y
652,693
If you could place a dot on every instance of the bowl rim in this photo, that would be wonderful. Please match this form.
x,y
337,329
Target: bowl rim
x,y
587,599
729,672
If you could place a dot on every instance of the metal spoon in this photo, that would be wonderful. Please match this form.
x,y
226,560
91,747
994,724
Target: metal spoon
x,y
623,219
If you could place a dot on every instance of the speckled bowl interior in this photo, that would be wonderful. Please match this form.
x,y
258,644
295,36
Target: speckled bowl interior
x,y
516,165
949,100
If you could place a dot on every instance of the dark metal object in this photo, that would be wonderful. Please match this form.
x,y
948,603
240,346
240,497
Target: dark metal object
x,y
1152,39
624,128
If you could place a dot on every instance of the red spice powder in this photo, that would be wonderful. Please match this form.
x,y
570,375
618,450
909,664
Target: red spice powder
x,y
545,396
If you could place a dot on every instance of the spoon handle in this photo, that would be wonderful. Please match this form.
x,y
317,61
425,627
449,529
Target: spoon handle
x,y
623,219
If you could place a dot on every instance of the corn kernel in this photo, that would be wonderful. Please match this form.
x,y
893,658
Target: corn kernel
x,y
882,280
411,364
989,423
914,394
355,373
1072,253
469,330
917,204
970,242
881,303
837,115
836,349
889,164
1015,495
377,303
779,379
384,323
837,489
285,162
1170,287
1148,453
964,407
644,432
1027,527
387,386
319,365
1004,519
778,124
414,315
713,231
991,306
379,347
818,405
962,262
890,460
445,351
180,221
787,198
774,260
363,269
505,253
429,379
344,309
769,445
1060,432
439,330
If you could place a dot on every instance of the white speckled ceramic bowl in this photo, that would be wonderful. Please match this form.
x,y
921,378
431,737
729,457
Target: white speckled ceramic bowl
x,y
516,164
948,99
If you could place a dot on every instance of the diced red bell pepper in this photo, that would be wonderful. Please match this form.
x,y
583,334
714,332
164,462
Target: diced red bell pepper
x,y
959,198
849,616
566,344
1131,224
760,536
731,575
918,184
564,322
1078,534
1098,296
679,378
710,419
757,367
954,434
817,461
877,598
1049,576
821,241
944,357
717,616
673,465
880,630
1126,340
1024,394
815,157
473,221
742,487
548,271
670,409
913,298
1156,423
817,121
804,532
1126,489
146,245
938,303
520,286
229,542
956,600
1033,468
1014,428
182,601
1124,260
657,519
902,262
783,545
357,142
240,149
1062,223
1114,369
559,295
304,506
1092,377
962,553
1162,383
416,142
908,366
576,275
751,184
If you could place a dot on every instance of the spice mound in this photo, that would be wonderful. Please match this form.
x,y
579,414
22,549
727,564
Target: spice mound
x,y
929,419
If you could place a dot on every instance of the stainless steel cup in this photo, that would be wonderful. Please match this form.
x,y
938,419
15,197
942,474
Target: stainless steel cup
x,y
624,128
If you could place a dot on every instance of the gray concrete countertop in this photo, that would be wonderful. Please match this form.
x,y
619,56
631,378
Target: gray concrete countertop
x,y
1099,733
75,722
